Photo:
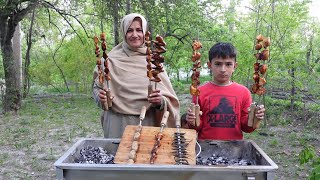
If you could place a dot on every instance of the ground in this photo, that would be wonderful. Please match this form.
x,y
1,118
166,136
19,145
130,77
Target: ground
x,y
47,126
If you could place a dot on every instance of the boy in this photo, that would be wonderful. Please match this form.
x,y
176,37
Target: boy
x,y
224,103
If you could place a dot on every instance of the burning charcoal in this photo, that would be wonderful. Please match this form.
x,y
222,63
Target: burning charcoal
x,y
199,160
244,162
92,155
221,160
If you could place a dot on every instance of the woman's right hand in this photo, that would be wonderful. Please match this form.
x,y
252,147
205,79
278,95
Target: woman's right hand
x,y
102,96
156,98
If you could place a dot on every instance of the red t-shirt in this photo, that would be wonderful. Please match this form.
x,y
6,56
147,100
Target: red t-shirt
x,y
224,111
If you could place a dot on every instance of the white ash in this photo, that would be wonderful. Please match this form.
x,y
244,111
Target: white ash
x,y
221,160
94,155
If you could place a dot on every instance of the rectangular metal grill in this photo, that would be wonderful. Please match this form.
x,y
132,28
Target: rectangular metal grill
x,y
262,167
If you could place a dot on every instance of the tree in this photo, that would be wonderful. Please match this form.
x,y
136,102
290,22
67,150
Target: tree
x,y
26,78
11,13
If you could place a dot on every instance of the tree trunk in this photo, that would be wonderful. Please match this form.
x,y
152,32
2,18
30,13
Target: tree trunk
x,y
309,53
128,7
116,22
145,10
9,19
26,79
231,13
16,47
12,97
293,89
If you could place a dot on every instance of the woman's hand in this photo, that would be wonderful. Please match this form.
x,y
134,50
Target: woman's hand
x,y
102,95
156,98
260,112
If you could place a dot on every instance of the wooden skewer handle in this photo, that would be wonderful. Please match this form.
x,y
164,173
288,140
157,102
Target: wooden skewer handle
x,y
197,113
106,106
178,120
193,110
165,118
256,121
252,114
150,89
109,101
143,113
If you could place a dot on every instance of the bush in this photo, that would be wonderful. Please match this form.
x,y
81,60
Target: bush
x,y
308,155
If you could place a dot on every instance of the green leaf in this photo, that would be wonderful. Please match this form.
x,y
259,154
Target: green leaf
x,y
307,154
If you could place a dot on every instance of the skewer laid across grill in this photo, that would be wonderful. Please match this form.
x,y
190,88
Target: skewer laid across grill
x,y
132,156
158,138
179,146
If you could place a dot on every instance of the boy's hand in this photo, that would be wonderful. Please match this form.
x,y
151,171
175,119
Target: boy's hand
x,y
191,117
260,112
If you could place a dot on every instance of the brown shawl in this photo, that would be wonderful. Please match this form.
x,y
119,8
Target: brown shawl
x,y
129,83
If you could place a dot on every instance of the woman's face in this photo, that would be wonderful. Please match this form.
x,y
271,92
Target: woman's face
x,y
135,36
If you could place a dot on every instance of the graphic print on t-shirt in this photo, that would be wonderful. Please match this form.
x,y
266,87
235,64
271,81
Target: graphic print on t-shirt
x,y
222,111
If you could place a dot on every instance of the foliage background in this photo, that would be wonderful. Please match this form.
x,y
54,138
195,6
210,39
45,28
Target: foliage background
x,y
63,53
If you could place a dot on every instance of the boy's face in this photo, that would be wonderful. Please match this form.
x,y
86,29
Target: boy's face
x,y
222,70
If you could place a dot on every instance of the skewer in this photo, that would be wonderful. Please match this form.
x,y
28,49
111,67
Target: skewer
x,y
262,54
154,59
142,114
104,76
158,138
135,144
179,145
164,121
195,108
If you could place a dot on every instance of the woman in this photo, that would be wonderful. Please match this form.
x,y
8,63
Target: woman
x,y
129,84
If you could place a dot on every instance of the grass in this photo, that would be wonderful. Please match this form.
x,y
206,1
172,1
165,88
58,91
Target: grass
x,y
47,126
44,129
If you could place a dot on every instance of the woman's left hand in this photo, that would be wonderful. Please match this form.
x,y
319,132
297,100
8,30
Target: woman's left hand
x,y
260,112
155,98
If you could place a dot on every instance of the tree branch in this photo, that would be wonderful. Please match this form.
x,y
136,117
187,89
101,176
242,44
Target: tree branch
x,y
64,16
19,14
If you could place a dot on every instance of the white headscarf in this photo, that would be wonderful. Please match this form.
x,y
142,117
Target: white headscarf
x,y
124,26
